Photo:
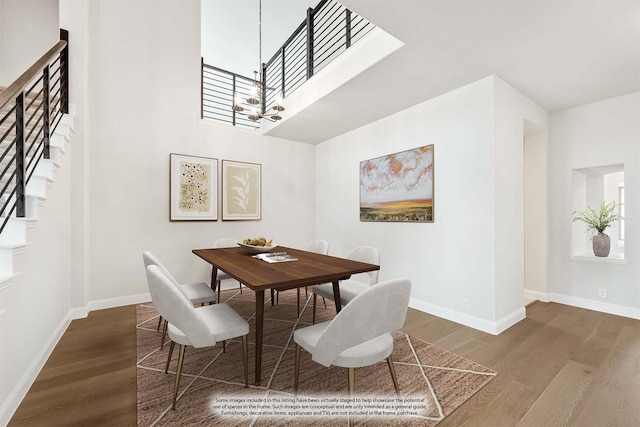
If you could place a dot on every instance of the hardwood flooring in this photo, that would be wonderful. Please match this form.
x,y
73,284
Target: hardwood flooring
x,y
90,378
561,366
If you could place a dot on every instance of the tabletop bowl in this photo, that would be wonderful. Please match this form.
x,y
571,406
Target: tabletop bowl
x,y
257,249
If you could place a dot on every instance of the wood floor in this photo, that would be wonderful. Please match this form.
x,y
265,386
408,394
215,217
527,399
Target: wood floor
x,y
560,366
90,378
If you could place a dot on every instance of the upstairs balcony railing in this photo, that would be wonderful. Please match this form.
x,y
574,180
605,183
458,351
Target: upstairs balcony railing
x,y
30,110
328,30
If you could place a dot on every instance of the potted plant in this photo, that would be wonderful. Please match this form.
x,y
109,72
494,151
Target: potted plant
x,y
599,221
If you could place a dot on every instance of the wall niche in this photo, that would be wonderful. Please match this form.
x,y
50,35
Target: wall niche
x,y
590,187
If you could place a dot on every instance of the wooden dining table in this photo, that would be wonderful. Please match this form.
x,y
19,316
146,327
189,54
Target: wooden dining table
x,y
308,269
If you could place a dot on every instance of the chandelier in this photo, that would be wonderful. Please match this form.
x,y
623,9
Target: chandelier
x,y
256,98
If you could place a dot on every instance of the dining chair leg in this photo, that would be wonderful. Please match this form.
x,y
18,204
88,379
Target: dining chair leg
x,y
166,368
245,359
240,285
218,290
393,375
159,322
315,297
164,334
352,380
224,346
352,388
273,296
178,373
313,318
296,371
298,291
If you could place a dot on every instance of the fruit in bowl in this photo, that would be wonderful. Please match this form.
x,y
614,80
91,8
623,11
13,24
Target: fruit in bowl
x,y
257,245
258,241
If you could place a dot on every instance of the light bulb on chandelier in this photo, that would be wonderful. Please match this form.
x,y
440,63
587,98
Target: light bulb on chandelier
x,y
256,97
254,91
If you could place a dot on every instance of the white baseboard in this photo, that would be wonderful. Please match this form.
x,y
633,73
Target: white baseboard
x,y
135,299
78,313
10,405
604,307
509,320
589,304
474,322
535,295
118,302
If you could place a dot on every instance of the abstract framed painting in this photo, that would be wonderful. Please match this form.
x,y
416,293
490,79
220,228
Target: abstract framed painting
x,y
241,191
398,187
193,188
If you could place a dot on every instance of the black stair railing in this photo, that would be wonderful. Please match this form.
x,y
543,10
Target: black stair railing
x,y
218,87
328,30
30,110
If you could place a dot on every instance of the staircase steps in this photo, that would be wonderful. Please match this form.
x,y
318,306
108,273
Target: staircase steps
x,y
14,237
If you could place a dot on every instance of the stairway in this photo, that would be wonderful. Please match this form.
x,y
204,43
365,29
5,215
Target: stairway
x,y
14,237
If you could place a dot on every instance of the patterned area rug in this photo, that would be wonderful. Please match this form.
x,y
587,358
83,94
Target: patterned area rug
x,y
433,382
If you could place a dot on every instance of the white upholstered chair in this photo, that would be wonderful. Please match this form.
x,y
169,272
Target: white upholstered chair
x,y
361,334
197,293
196,326
318,247
356,284
224,242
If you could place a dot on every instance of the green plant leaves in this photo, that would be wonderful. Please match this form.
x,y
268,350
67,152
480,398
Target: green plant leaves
x,y
600,221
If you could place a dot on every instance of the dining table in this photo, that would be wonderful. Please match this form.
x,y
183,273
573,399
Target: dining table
x,y
309,268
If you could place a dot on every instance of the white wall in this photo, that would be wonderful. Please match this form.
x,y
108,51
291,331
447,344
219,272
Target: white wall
x,y
36,304
145,75
511,111
442,270
601,133
28,29
474,249
1,46
76,17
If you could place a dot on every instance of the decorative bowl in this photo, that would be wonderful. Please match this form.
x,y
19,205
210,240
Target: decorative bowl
x,y
257,249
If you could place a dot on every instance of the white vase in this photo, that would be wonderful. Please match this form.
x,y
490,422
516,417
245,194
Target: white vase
x,y
601,245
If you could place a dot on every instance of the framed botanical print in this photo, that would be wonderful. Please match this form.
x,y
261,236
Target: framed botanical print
x,y
241,190
398,187
193,188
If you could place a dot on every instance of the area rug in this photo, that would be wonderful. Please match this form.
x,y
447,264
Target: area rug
x,y
433,381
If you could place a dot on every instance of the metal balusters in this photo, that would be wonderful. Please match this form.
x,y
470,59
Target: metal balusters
x,y
21,183
30,110
327,31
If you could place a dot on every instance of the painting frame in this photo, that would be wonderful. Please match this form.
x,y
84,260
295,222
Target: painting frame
x,y
399,187
241,191
193,188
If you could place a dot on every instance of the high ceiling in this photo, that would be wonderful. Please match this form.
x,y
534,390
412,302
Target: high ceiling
x,y
560,54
